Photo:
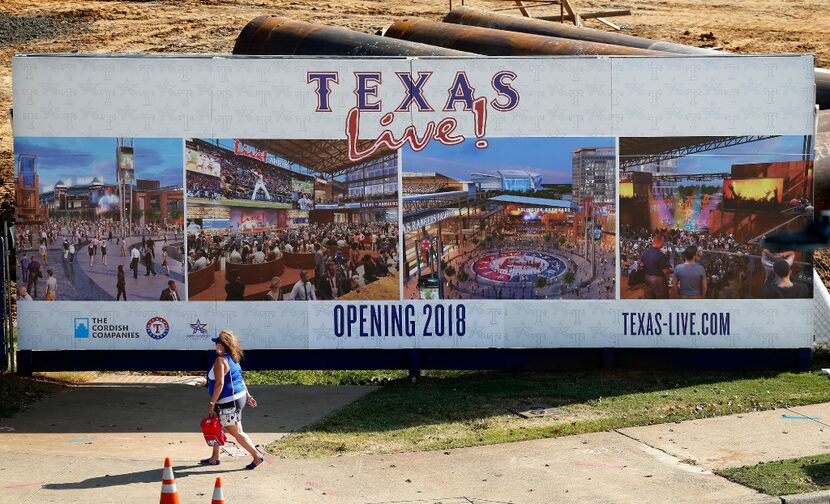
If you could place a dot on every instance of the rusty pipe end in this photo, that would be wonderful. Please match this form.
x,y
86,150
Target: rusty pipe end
x,y
243,40
458,13
399,28
250,38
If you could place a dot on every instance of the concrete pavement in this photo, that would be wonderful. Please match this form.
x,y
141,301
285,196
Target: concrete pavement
x,y
105,442
740,440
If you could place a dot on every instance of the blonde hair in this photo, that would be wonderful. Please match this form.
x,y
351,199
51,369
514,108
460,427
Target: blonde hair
x,y
232,345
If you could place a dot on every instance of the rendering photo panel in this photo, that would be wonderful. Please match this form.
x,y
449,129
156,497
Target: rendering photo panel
x,y
525,218
274,220
694,212
99,219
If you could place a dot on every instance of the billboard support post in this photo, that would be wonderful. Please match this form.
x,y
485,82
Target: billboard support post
x,y
24,363
414,359
609,358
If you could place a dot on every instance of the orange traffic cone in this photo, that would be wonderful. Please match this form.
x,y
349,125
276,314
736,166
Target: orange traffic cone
x,y
218,494
169,493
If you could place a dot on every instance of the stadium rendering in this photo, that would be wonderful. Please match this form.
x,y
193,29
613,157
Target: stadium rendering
x,y
508,180
505,233
260,212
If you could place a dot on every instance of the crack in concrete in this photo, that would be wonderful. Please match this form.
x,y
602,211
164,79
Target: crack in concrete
x,y
807,417
49,479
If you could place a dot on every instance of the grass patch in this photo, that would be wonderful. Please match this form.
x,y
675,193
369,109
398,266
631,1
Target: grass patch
x,y
16,393
784,477
323,377
70,377
454,410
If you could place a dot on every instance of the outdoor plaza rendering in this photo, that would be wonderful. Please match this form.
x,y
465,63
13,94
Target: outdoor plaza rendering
x,y
503,234
117,234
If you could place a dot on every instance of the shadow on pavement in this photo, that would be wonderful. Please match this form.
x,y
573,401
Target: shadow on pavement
x,y
151,476
136,410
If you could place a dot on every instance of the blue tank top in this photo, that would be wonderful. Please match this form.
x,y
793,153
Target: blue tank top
x,y
233,387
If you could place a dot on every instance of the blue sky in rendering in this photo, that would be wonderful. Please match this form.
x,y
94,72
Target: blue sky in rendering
x,y
551,157
783,148
77,161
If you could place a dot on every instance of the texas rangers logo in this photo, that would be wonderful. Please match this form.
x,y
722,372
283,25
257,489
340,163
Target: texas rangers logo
x,y
157,328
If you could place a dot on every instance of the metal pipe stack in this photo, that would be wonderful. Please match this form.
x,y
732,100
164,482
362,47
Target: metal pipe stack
x,y
464,32
500,42
474,17
278,35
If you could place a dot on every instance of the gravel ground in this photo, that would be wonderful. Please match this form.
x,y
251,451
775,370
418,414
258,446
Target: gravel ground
x,y
22,29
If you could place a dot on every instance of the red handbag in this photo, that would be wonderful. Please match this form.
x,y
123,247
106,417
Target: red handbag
x,y
212,430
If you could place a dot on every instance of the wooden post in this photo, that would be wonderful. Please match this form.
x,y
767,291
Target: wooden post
x,y
589,15
576,17
608,23
522,8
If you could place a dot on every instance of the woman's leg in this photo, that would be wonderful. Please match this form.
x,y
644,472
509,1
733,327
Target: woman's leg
x,y
244,440
214,456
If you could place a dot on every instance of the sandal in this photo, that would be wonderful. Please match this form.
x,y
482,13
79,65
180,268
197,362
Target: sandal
x,y
208,462
253,465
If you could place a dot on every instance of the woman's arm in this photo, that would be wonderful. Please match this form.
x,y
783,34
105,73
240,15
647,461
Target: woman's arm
x,y
251,401
219,383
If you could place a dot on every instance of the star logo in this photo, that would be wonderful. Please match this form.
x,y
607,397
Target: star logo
x,y
199,329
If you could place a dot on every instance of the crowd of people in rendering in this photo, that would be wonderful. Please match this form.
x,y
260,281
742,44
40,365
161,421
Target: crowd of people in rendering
x,y
412,188
694,265
347,257
578,279
95,243
427,204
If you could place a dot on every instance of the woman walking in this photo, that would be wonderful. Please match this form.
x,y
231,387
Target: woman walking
x,y
120,284
104,253
228,395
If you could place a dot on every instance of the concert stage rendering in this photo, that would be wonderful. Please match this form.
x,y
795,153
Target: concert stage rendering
x,y
718,206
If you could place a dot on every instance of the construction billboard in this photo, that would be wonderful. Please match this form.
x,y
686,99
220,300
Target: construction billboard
x,y
412,203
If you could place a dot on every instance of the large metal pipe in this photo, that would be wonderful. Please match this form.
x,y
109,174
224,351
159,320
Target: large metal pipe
x,y
279,35
469,16
498,42
474,17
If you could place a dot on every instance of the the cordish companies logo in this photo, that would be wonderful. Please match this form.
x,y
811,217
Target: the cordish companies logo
x,y
81,327
157,328
199,330
101,328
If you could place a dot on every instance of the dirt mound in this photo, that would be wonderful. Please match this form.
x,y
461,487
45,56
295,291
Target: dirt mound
x,y
22,29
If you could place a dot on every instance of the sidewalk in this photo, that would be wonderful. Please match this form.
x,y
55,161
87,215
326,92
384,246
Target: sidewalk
x,y
105,442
